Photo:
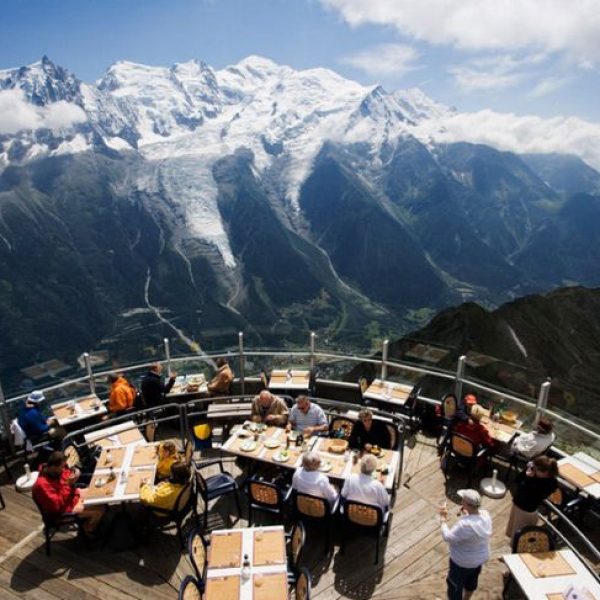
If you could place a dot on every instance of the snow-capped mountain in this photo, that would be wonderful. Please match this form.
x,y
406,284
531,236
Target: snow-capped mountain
x,y
271,192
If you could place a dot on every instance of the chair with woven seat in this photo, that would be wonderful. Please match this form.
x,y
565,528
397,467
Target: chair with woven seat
x,y
186,502
188,452
532,538
449,409
303,585
341,427
215,486
295,539
190,589
365,517
463,452
55,523
266,497
198,553
316,509
569,502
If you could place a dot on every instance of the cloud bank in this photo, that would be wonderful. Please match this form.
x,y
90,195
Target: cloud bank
x,y
384,59
17,114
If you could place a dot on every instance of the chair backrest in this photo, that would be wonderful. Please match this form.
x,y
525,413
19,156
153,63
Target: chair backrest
x,y
197,553
264,379
393,431
183,499
341,427
532,539
264,493
201,485
150,431
557,497
72,455
363,384
303,585
189,589
449,406
365,515
462,445
297,542
188,452
311,506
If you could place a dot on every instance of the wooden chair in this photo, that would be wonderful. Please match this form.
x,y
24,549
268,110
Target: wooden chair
x,y
295,542
570,503
463,452
150,431
189,589
363,386
55,523
188,452
314,508
341,427
186,502
266,497
366,517
215,486
303,585
532,539
198,553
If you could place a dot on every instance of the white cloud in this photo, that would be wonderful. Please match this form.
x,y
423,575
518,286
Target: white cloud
x,y
384,59
551,25
519,133
17,114
548,86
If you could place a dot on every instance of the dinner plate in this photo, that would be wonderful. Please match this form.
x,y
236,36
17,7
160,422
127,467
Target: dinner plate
x,y
325,467
248,446
280,457
272,443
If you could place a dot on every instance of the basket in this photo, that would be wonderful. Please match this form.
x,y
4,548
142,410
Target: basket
x,y
338,446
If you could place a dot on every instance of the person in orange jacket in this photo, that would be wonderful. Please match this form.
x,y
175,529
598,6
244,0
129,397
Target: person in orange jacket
x,y
122,394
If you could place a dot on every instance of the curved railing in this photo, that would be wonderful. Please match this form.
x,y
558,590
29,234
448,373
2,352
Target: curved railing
x,y
333,366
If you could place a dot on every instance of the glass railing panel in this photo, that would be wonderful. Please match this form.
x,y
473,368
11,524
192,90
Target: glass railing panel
x,y
579,401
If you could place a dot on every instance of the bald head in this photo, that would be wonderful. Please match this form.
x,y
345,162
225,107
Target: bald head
x,y
265,399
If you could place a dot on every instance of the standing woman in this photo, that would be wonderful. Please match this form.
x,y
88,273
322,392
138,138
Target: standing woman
x,y
534,485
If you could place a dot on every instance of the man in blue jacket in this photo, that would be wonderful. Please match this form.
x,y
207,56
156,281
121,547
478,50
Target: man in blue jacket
x,y
33,422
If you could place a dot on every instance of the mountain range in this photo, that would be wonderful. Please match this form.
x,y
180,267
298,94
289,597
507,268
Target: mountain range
x,y
191,203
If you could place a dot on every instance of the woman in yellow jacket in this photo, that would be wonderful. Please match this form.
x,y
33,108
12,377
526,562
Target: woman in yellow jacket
x,y
164,495
167,457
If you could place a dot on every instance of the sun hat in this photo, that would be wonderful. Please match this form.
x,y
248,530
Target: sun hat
x,y
470,497
36,397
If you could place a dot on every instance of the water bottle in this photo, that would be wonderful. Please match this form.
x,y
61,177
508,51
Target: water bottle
x,y
246,568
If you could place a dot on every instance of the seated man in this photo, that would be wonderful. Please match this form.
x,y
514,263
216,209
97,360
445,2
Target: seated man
x,y
55,493
164,495
34,424
167,456
122,393
368,432
270,409
309,480
154,387
220,384
361,487
307,417
530,445
474,430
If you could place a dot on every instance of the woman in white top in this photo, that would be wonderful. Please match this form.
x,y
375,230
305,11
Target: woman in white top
x,y
309,480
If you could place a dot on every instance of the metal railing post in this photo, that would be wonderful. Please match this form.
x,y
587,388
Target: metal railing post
x,y
542,401
384,357
90,374
167,354
242,361
312,349
6,420
460,374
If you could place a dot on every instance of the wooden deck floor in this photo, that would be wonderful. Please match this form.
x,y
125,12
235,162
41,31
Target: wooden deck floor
x,y
414,564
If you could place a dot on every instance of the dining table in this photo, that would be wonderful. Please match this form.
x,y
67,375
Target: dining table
x,y
120,434
388,392
187,387
556,575
582,471
289,379
247,564
80,409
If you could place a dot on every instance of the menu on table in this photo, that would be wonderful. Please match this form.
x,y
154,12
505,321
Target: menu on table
x,y
225,550
222,588
269,547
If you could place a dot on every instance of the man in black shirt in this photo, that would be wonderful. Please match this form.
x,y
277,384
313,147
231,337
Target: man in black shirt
x,y
368,432
153,386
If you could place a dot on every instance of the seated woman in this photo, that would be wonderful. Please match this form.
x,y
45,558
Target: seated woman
x,y
167,456
164,495
309,480
368,432
56,494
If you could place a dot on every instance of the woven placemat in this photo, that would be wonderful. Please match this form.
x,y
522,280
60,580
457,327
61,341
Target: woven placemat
x,y
225,550
547,564
270,548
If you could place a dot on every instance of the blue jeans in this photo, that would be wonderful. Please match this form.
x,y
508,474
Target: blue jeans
x,y
460,579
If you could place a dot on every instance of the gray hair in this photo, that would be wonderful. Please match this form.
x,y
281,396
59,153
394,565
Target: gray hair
x,y
368,463
311,461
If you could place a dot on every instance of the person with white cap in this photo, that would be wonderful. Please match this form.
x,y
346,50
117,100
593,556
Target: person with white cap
x,y
469,541
33,422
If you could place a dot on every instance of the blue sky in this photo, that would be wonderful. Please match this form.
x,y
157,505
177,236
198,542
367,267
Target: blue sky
x,y
527,57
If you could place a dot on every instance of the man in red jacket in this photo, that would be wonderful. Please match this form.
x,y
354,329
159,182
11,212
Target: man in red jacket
x,y
56,494
474,430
